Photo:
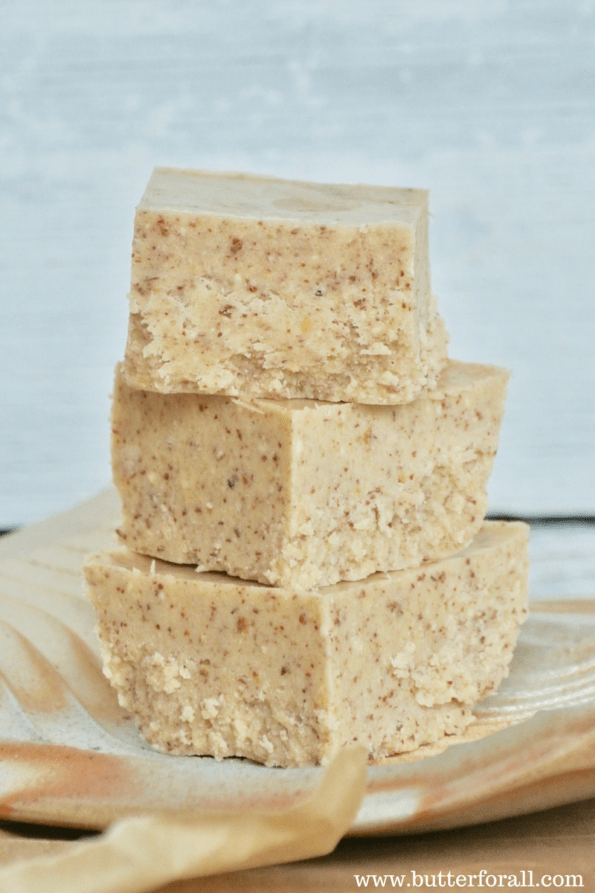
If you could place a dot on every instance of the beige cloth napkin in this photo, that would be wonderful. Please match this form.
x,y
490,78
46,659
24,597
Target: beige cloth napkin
x,y
140,854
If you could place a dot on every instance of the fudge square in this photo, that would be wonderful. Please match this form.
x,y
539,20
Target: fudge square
x,y
255,286
213,665
305,493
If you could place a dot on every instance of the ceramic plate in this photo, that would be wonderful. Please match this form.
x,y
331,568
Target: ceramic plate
x,y
70,756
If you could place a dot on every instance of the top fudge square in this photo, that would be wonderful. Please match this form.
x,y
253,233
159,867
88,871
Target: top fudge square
x,y
252,286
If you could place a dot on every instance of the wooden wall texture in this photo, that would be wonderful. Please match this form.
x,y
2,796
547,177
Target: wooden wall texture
x,y
490,105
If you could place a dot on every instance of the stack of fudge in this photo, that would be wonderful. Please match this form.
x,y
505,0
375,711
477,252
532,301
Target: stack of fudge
x,y
305,561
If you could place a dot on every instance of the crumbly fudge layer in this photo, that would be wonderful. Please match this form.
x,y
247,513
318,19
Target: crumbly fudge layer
x,y
302,493
254,286
209,664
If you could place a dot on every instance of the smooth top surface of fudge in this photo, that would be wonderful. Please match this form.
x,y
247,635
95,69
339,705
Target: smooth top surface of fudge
x,y
303,491
257,197
251,286
211,664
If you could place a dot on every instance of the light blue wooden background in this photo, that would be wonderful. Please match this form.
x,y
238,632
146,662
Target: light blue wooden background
x,y
489,104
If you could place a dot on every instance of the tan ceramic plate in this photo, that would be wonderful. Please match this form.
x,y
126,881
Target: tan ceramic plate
x,y
70,756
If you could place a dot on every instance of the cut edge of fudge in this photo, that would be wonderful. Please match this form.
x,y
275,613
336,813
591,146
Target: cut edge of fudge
x,y
216,666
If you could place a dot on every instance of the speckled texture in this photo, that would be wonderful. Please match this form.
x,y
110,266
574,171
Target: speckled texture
x,y
211,665
254,286
302,493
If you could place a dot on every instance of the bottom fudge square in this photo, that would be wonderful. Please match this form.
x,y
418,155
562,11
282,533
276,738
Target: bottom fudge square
x,y
213,665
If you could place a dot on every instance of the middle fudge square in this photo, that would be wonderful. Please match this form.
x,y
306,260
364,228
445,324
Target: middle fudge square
x,y
303,493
